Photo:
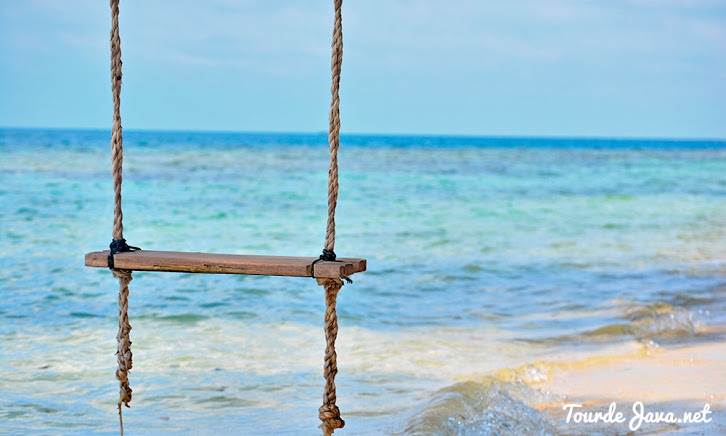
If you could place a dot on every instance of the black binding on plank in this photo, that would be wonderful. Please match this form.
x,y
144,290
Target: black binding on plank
x,y
118,246
327,256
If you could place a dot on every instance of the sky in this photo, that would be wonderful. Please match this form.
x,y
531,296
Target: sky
x,y
609,68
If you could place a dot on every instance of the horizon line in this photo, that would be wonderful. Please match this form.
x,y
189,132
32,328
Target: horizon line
x,y
383,134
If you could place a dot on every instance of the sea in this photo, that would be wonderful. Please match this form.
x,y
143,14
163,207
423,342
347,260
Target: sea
x,y
486,257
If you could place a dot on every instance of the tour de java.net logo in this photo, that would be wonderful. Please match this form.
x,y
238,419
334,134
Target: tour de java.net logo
x,y
640,416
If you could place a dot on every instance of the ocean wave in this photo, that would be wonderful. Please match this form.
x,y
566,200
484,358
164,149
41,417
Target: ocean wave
x,y
502,404
651,321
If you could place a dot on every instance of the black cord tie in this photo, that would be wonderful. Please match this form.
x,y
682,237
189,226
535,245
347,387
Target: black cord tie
x,y
327,256
119,246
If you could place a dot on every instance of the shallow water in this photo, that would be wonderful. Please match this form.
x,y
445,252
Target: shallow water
x,y
483,254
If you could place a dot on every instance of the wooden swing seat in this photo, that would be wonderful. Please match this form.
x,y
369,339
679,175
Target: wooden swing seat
x,y
212,263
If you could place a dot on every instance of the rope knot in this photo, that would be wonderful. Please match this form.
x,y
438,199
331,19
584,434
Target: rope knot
x,y
118,246
329,281
122,274
328,255
330,415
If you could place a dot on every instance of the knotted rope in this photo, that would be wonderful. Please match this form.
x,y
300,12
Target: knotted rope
x,y
123,354
329,413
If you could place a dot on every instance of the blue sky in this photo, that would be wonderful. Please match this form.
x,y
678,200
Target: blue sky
x,y
623,68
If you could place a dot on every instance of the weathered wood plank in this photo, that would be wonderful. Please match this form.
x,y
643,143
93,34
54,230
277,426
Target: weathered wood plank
x,y
211,263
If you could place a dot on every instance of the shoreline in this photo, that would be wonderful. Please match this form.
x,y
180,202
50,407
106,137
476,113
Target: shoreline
x,y
678,380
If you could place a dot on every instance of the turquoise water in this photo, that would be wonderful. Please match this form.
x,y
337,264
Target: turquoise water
x,y
483,253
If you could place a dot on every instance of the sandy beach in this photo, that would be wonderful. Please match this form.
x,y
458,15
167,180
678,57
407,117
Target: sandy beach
x,y
665,379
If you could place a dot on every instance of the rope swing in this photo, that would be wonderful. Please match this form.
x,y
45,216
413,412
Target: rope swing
x,y
327,269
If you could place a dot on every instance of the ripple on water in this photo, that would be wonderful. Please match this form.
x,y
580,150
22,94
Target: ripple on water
x,y
488,252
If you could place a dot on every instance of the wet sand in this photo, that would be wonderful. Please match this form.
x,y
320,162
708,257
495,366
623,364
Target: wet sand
x,y
664,378
677,374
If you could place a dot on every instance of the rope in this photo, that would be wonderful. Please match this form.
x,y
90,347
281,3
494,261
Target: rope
x,y
117,148
329,413
123,353
334,128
